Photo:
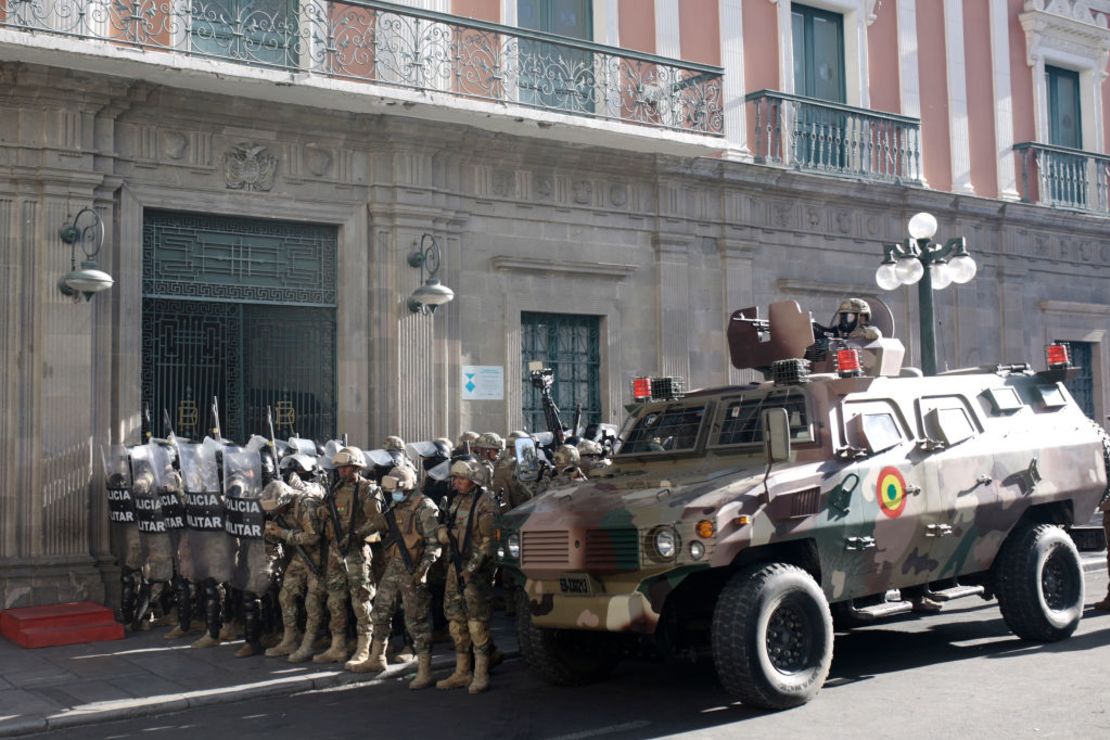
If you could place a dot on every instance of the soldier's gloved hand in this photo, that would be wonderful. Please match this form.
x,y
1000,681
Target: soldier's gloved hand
x,y
274,531
441,535
420,575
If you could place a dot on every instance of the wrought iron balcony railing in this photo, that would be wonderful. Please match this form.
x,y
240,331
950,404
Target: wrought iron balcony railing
x,y
834,139
1062,177
400,46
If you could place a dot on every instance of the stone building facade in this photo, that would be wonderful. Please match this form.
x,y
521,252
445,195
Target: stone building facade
x,y
655,234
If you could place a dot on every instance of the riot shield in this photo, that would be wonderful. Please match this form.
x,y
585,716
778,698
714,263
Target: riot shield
x,y
527,460
244,519
148,466
305,446
123,529
209,548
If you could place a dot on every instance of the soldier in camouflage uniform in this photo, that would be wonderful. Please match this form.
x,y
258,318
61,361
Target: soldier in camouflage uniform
x,y
514,491
468,533
487,448
465,445
292,506
567,472
348,513
409,528
592,457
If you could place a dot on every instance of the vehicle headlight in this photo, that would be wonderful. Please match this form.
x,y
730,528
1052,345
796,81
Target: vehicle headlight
x,y
665,542
697,550
514,546
500,553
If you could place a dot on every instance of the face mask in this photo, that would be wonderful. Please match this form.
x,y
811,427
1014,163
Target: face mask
x,y
398,496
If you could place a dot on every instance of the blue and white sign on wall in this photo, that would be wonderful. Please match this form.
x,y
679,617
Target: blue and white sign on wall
x,y
483,382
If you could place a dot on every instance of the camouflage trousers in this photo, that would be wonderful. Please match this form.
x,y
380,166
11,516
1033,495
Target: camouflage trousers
x,y
468,613
396,588
353,581
299,580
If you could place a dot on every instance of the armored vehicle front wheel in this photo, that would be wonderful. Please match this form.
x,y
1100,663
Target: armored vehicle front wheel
x,y
565,657
772,636
1039,583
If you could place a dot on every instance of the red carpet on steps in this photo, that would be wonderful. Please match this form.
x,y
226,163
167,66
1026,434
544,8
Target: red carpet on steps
x,y
60,624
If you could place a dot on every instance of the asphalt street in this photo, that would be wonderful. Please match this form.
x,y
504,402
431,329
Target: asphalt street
x,y
958,674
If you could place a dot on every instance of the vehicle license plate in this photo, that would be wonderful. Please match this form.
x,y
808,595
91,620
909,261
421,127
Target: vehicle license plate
x,y
575,584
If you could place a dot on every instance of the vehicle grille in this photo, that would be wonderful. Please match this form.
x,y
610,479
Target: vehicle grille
x,y
613,549
544,548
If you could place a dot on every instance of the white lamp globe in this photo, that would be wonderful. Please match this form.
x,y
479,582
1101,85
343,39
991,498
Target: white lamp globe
x,y
962,268
886,277
923,226
909,270
940,275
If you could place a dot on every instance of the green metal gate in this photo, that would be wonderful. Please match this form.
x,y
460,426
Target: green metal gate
x,y
571,346
243,310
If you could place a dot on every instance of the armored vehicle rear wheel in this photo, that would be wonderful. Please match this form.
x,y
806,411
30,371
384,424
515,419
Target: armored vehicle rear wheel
x,y
772,636
565,657
1039,583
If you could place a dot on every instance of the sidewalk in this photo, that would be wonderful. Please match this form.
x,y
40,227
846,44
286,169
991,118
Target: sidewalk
x,y
144,674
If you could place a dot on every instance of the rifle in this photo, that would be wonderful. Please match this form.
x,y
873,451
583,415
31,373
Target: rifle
x,y
216,420
167,425
333,512
395,533
147,431
577,418
299,549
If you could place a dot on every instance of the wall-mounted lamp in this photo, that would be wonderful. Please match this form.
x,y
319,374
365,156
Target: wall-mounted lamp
x,y
89,279
431,294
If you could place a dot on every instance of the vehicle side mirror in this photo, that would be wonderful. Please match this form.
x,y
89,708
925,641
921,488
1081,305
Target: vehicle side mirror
x,y
527,460
776,435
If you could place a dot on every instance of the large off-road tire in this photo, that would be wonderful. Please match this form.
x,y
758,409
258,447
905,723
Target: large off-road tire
x,y
1038,579
565,657
772,636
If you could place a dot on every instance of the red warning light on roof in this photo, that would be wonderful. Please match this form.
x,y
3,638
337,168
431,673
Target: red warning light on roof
x,y
641,389
847,363
1057,355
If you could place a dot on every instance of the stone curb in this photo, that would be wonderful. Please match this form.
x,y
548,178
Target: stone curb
x,y
168,703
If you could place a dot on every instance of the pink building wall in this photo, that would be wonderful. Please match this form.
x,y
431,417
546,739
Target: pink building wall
x,y
637,25
980,99
485,10
761,57
1021,85
932,74
699,31
882,43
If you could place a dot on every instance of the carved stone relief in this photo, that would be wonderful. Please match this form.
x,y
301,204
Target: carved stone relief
x,y
250,167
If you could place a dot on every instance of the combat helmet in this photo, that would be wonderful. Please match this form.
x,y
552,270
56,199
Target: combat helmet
x,y
489,441
468,469
276,496
467,437
566,455
588,447
518,434
300,463
393,442
349,456
400,478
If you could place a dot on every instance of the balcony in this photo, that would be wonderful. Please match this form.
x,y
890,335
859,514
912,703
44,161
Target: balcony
x,y
1061,177
379,44
834,139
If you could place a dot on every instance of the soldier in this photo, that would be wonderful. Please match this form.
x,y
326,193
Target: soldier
x,y
567,471
154,476
592,456
409,527
487,448
292,506
513,490
348,514
469,534
853,321
1104,507
465,444
123,527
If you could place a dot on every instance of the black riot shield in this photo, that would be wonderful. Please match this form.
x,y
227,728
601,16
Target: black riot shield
x,y
148,465
209,553
121,508
244,520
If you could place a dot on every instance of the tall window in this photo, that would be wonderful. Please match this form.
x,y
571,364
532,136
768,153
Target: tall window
x,y
818,40
571,346
1067,174
551,75
1081,384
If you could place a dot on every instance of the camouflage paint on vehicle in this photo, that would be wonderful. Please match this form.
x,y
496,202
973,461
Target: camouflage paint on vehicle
x,y
894,481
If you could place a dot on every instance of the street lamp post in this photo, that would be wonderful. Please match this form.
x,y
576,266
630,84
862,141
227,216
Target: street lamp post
x,y
933,267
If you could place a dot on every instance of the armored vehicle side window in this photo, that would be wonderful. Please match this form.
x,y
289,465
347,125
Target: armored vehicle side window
x,y
1051,396
946,419
873,425
1004,400
741,423
671,429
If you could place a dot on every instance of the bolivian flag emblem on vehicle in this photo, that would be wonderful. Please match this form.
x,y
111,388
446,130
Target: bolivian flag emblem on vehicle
x,y
891,492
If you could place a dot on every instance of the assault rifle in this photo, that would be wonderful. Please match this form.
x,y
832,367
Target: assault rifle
x,y
216,420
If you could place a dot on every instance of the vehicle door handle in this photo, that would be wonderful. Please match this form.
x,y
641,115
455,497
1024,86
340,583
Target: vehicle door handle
x,y
859,543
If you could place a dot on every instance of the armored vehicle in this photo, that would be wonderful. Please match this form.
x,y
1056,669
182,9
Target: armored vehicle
x,y
733,518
